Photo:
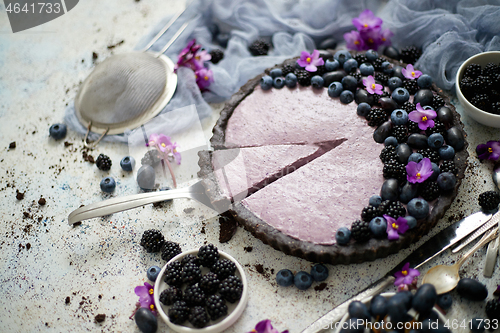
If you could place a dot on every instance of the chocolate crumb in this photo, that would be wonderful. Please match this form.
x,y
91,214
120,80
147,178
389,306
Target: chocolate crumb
x,y
12,145
26,214
42,201
320,287
228,228
94,56
19,195
248,248
68,300
100,318
28,246
67,144
100,296
202,230
110,47
259,268
77,223
188,210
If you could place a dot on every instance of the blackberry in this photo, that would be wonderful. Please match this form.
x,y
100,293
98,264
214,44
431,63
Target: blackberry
x,y
396,170
495,79
438,127
377,64
430,154
178,313
231,289
191,273
169,250
287,68
303,77
482,101
193,296
369,212
437,102
394,209
209,283
357,76
217,55
259,47
473,71
216,307
360,231
482,83
152,157
400,132
429,190
190,258
103,162
489,200
466,86
495,108
493,309
376,117
223,268
411,86
413,127
448,166
410,54
382,78
208,255
408,106
320,70
491,69
171,295
361,58
388,154
152,240
198,317
173,274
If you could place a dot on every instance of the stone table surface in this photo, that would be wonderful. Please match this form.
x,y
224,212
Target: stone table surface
x,y
56,277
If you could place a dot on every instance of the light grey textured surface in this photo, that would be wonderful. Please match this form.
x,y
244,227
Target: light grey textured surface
x,y
97,264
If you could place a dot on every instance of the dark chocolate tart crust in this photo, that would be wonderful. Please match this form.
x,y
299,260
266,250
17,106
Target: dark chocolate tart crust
x,y
353,252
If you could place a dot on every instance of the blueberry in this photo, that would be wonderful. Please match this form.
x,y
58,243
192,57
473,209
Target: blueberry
x,y
415,157
366,69
425,298
319,272
390,190
428,107
424,81
153,272
400,95
411,221
445,301
390,141
335,89
266,82
435,172
303,280
146,320
127,163
341,56
276,72
346,97
375,200
371,55
343,235
394,82
358,310
350,65
378,227
331,65
349,83
317,81
279,82
58,131
408,192
399,117
398,72
446,181
387,68
291,80
284,278
146,177
446,152
396,309
363,109
418,208
378,306
472,289
108,184
477,325
435,140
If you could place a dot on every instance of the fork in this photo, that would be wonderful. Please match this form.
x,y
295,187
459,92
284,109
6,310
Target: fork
x,y
110,206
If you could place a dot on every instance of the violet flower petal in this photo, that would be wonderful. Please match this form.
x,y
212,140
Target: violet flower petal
x,y
354,41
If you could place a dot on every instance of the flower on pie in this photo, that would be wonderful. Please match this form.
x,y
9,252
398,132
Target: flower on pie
x,y
146,298
354,41
488,151
369,34
411,73
204,77
265,326
419,172
371,86
367,20
406,278
372,38
310,61
395,227
423,117
385,37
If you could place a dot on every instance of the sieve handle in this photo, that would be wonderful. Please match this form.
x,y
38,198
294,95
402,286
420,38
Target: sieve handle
x,y
172,40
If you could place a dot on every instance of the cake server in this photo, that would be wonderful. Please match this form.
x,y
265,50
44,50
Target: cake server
x,y
427,251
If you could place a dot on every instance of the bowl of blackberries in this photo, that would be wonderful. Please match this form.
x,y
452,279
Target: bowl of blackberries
x,y
201,290
478,87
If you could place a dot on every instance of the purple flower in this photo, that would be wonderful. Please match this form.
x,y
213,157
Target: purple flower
x,y
372,38
419,172
153,139
367,20
371,86
395,227
200,58
146,298
187,55
406,277
489,151
204,77
423,117
385,37
265,326
354,41
411,73
310,61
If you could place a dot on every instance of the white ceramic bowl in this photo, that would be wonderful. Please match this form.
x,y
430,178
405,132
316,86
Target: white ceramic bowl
x,y
367,300
234,310
475,113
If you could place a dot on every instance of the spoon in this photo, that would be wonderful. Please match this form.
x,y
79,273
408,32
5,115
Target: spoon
x,y
496,175
444,278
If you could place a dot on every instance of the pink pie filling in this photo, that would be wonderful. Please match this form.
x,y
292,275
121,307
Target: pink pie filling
x,y
329,192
